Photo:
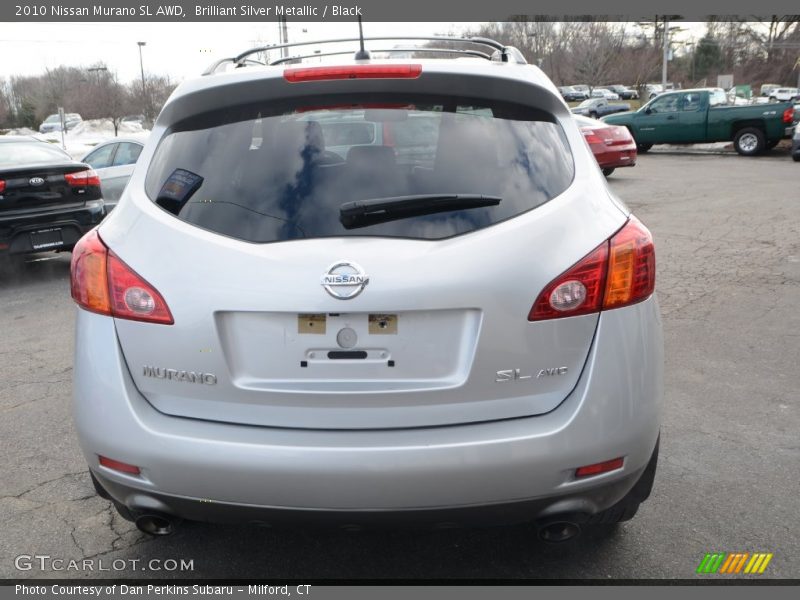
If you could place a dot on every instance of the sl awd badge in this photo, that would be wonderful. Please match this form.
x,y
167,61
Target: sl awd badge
x,y
516,374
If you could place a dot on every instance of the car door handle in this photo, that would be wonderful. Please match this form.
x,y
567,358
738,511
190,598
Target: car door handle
x,y
671,118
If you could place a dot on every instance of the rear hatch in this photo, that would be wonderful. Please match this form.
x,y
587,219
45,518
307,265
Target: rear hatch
x,y
379,286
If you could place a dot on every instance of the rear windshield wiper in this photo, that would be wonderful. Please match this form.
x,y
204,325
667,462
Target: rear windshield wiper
x,y
363,213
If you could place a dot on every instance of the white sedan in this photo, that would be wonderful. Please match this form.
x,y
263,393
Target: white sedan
x,y
604,93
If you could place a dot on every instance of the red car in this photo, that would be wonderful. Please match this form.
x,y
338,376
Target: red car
x,y
612,145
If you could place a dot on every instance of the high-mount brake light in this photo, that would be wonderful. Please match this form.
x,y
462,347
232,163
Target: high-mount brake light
x,y
619,272
103,284
297,75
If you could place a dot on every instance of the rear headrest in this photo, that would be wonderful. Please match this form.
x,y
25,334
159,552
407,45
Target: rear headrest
x,y
292,136
372,157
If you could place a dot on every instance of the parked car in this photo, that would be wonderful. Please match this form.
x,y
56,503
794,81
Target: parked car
x,y
267,333
612,146
597,107
47,199
114,162
784,94
767,89
583,88
653,90
796,145
625,93
570,94
604,93
53,122
701,116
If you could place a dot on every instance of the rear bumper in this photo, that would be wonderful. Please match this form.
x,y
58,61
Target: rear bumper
x,y
223,472
15,230
617,158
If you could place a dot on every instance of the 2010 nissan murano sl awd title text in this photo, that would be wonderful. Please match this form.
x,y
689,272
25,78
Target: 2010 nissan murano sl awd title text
x,y
368,291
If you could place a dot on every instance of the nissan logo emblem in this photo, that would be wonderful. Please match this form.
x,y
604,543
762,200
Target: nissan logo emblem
x,y
344,280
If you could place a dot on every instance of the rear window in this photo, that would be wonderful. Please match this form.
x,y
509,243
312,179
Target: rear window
x,y
14,154
436,167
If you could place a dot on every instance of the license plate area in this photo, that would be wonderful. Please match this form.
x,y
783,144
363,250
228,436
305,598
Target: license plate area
x,y
45,239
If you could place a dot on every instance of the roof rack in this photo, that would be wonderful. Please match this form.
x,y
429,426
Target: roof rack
x,y
500,52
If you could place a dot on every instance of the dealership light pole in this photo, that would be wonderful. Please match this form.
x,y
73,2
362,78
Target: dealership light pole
x,y
141,67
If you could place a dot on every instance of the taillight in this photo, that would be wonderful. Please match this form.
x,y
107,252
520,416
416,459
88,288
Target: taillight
x,y
591,137
578,291
788,115
82,178
353,72
619,272
2,186
631,266
102,283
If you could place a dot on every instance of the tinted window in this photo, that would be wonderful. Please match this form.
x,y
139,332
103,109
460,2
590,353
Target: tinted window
x,y
127,154
268,173
691,101
100,158
20,153
665,104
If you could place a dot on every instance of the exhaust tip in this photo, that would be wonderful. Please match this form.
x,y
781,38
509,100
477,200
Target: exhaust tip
x,y
155,525
556,532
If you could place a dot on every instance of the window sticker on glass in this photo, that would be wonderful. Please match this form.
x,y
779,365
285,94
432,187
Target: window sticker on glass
x,y
177,190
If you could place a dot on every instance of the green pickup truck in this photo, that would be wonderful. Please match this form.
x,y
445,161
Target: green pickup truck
x,y
703,115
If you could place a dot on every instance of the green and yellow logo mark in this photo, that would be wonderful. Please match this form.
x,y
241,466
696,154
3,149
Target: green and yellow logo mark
x,y
730,563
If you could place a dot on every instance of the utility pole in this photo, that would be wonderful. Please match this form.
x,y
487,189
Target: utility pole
x,y
144,91
666,55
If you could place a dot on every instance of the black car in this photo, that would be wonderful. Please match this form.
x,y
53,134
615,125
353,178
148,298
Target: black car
x,y
47,199
623,92
570,94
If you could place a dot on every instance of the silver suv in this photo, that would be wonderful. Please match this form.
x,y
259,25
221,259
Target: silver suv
x,y
454,325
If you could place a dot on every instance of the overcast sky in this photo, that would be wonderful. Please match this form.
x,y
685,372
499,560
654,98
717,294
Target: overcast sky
x,y
180,50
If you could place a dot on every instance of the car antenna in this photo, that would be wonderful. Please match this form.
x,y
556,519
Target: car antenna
x,y
361,54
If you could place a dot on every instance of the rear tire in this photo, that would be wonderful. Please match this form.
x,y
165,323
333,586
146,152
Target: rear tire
x,y
749,141
592,115
796,157
643,148
608,172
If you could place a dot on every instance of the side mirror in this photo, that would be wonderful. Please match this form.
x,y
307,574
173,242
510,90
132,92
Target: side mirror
x,y
648,110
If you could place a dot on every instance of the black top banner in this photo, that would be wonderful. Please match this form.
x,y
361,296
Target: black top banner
x,y
374,10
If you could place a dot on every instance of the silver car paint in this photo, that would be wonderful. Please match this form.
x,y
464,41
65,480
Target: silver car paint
x,y
613,411
606,406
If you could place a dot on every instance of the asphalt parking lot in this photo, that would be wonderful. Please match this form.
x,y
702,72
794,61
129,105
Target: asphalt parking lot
x,y
727,231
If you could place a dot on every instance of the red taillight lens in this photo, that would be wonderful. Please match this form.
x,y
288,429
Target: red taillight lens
x,y
102,283
353,72
132,297
2,186
788,115
116,465
619,272
597,468
82,178
578,291
591,137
